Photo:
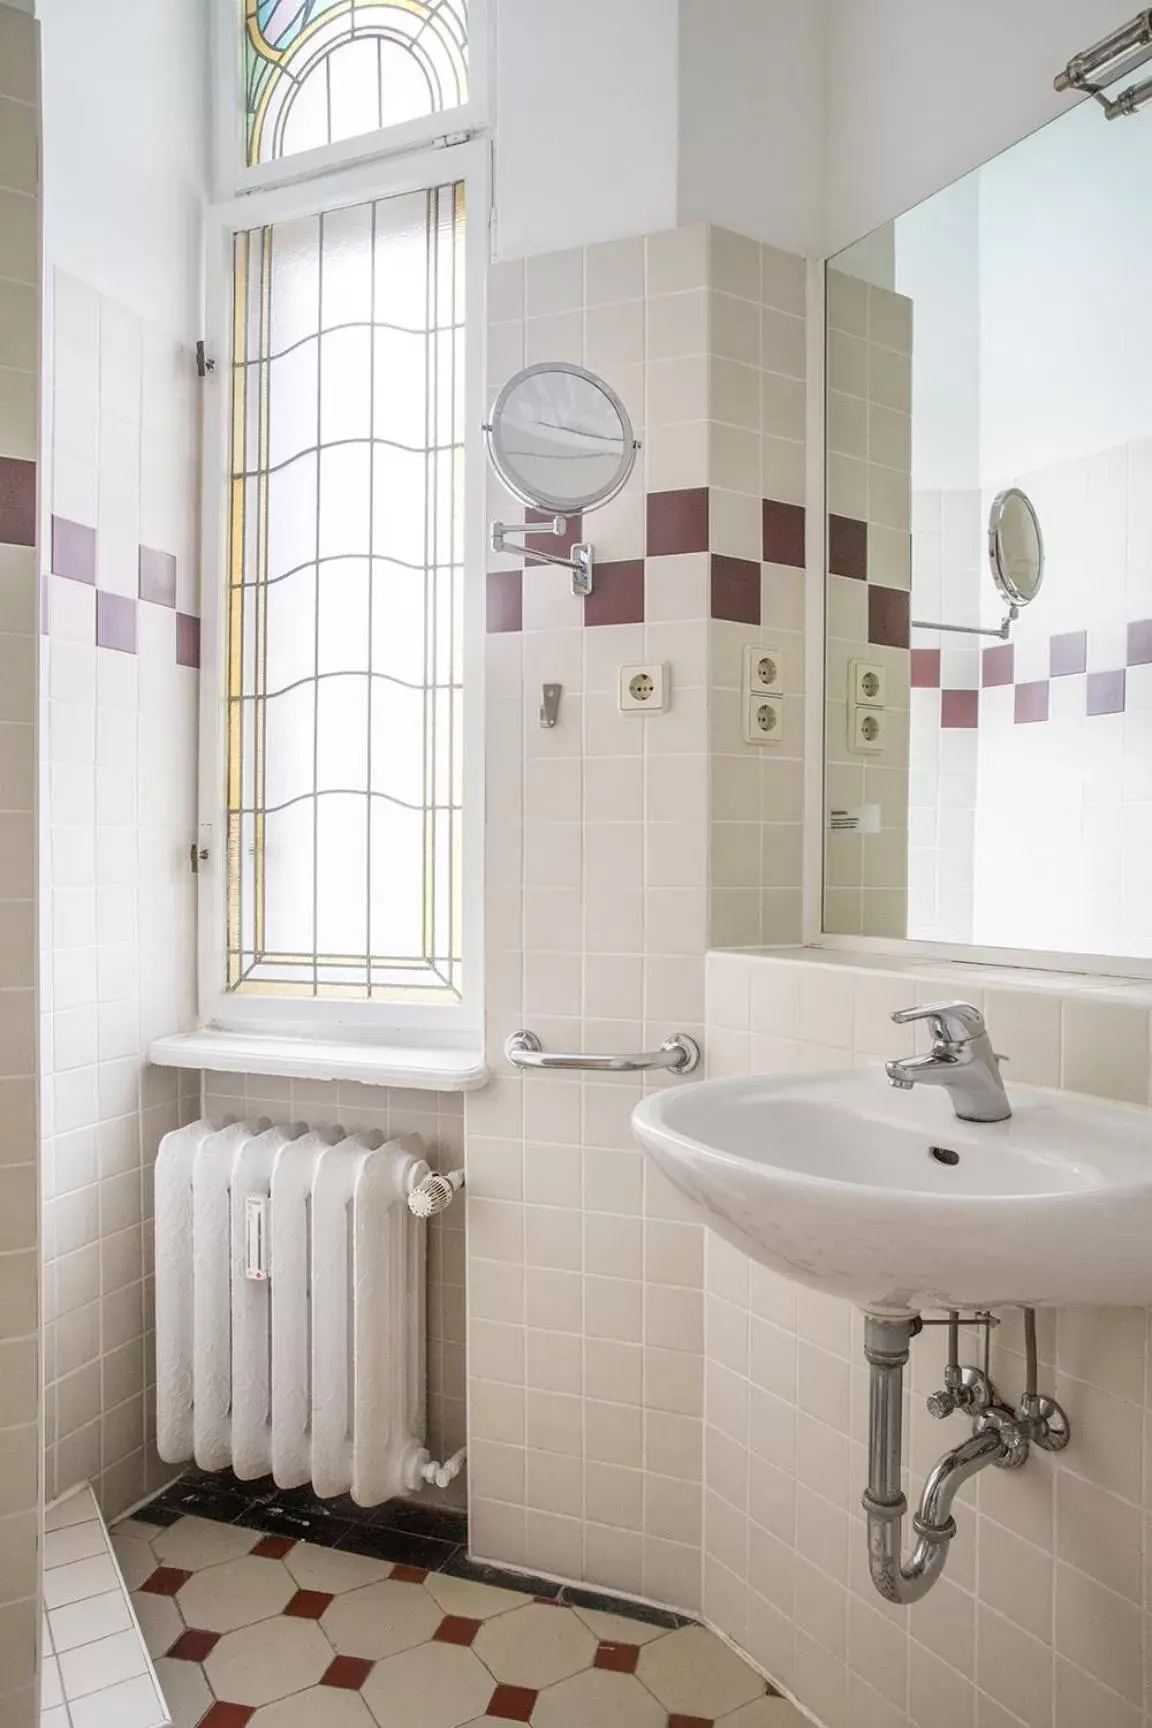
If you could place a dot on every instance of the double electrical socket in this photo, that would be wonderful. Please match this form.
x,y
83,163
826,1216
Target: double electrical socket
x,y
867,698
762,694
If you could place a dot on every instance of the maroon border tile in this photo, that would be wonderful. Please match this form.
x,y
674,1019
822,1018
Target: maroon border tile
x,y
73,551
347,1672
1031,702
157,576
1106,693
677,521
926,668
998,665
17,501
617,595
1068,653
115,622
187,640
959,708
1140,642
735,584
194,1646
782,532
848,547
505,601
513,1703
889,617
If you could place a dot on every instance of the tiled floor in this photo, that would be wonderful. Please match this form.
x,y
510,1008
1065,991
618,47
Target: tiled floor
x,y
95,1671
247,1627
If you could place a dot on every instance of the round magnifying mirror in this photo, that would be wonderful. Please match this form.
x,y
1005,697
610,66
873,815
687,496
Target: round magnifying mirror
x,y
1016,547
560,438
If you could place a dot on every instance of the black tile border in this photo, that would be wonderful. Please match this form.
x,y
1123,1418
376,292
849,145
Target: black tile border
x,y
403,1532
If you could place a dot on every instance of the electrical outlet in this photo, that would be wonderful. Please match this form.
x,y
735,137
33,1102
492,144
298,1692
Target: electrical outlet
x,y
763,719
867,684
868,730
763,671
644,689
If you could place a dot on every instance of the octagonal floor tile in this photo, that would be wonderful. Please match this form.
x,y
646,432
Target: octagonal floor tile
x,y
262,1664
331,1570
159,1620
470,1600
319,1707
224,1598
535,1645
765,1713
185,1690
194,1543
618,1628
694,1674
134,1557
434,1686
598,1696
381,1620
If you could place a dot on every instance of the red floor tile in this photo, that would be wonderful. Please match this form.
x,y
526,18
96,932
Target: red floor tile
x,y
455,1629
621,1658
308,1604
273,1547
347,1672
409,1574
228,1716
513,1703
165,1581
691,1722
194,1646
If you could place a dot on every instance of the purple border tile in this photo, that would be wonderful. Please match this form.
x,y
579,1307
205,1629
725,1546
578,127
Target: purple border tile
x,y
1140,642
735,589
1068,653
677,521
505,601
116,622
889,615
187,640
848,547
17,501
998,665
1106,693
782,529
925,668
73,551
959,709
157,572
617,595
1031,702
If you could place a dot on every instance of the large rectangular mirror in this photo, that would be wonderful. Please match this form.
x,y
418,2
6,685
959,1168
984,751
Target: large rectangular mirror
x,y
988,748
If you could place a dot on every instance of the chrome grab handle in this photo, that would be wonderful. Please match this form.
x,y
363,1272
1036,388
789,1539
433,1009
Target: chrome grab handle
x,y
680,1054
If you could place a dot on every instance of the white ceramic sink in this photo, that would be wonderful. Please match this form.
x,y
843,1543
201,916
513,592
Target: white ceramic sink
x,y
830,1179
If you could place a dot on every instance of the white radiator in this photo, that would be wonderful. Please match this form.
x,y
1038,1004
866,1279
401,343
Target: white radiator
x,y
290,1307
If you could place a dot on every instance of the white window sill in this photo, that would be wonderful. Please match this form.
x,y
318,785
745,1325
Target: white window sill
x,y
428,1068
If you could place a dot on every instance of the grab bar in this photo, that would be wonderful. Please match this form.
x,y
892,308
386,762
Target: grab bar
x,y
680,1054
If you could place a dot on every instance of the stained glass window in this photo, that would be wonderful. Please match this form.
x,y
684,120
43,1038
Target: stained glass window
x,y
317,71
345,590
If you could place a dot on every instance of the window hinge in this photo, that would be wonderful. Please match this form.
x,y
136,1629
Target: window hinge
x,y
451,138
198,855
203,364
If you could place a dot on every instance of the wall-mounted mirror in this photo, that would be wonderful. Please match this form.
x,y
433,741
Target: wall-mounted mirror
x,y
560,438
989,404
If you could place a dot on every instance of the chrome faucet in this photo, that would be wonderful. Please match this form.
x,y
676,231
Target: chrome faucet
x,y
961,1059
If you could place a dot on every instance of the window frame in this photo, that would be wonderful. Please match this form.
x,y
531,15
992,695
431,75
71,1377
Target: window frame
x,y
232,174
325,1019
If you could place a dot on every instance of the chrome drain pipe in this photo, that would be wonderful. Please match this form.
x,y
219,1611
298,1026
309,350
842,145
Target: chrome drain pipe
x,y
886,1346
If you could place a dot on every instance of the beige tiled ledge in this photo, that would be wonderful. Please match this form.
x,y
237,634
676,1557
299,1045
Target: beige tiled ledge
x,y
425,1067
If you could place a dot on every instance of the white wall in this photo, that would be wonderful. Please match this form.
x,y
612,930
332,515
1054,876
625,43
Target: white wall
x,y
751,145
125,152
587,117
920,91
938,258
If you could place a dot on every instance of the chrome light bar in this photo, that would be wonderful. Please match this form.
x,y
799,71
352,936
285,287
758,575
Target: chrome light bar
x,y
1108,61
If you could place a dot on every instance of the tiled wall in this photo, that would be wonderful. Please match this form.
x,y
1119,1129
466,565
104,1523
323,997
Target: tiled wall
x,y
19,1224
869,441
118,812
438,1117
1041,1619
585,1298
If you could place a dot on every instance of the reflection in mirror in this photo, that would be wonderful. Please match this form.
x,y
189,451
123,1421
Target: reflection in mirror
x,y
560,438
989,403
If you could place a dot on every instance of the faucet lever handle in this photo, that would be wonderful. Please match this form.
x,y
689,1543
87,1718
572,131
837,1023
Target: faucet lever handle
x,y
951,1022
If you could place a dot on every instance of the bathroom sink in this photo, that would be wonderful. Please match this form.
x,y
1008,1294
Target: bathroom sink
x,y
883,1197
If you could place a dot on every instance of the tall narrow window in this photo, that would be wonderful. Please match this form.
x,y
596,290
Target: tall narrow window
x,y
345,603
319,71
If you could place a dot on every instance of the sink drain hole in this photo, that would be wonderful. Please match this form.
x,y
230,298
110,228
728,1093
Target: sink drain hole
x,y
944,1154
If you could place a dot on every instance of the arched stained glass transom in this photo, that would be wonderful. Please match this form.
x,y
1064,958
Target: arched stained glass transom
x,y
320,71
